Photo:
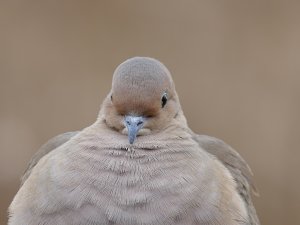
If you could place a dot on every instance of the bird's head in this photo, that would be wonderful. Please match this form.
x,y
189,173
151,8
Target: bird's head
x,y
142,99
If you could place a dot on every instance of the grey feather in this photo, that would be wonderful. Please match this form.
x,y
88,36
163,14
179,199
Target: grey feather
x,y
238,168
49,146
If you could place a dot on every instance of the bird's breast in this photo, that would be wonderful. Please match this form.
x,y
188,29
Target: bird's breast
x,y
126,184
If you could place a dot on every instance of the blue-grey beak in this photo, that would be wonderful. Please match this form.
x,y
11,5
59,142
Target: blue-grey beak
x,y
133,124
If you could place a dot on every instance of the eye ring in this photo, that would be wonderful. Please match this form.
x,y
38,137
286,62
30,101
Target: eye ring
x,y
164,99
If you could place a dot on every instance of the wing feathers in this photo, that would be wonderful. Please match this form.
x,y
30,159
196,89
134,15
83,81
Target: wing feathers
x,y
236,165
52,144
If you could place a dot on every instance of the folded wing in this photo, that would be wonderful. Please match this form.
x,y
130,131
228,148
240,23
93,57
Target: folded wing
x,y
238,168
49,146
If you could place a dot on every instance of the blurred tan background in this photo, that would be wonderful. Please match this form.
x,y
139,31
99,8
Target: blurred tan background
x,y
236,65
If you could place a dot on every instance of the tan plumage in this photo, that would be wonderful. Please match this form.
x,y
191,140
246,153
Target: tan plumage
x,y
168,175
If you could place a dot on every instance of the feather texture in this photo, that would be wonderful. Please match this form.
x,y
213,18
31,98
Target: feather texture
x,y
166,175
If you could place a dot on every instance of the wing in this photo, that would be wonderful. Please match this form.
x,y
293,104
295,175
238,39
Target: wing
x,y
52,144
237,166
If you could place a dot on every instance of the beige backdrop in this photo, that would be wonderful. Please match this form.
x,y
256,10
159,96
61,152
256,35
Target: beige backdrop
x,y
236,65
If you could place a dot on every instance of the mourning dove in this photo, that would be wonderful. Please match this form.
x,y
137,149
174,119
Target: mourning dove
x,y
138,164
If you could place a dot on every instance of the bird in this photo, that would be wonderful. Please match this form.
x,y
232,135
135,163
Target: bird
x,y
139,163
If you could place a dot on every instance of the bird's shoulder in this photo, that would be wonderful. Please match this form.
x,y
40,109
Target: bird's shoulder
x,y
236,165
49,146
231,159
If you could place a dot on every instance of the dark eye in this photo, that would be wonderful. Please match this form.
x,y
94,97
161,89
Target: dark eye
x,y
164,100
111,98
